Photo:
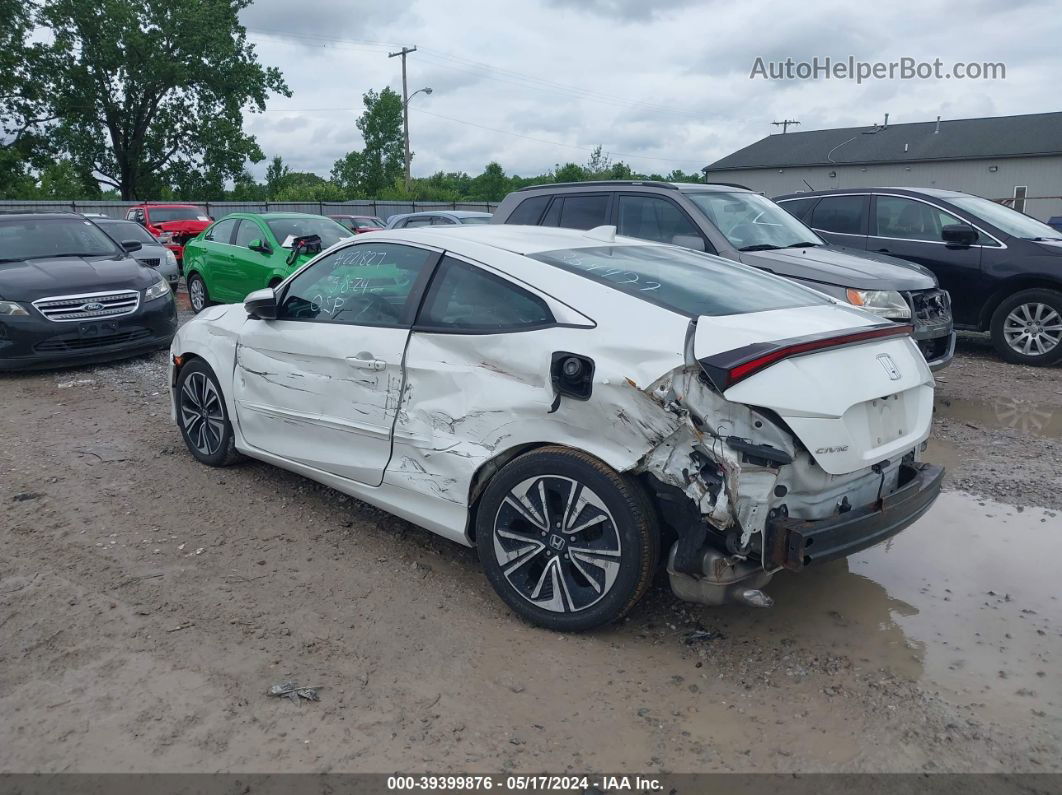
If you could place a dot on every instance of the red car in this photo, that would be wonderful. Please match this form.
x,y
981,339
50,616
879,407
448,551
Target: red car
x,y
172,224
358,224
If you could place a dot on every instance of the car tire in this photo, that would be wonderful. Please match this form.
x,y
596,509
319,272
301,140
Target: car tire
x,y
1029,319
198,296
532,559
203,417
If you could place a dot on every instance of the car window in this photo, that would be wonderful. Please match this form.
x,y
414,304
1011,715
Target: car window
x,y
841,214
529,211
442,220
911,220
798,208
43,238
221,232
411,222
475,219
1009,220
578,212
366,285
285,229
687,282
466,298
247,232
160,215
653,218
120,231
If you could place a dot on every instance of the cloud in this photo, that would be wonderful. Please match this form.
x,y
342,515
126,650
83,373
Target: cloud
x,y
623,10
667,84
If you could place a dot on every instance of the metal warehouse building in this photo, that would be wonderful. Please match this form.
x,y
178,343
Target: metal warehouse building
x,y
1014,159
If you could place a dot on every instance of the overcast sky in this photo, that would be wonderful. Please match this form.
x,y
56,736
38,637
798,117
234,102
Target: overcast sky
x,y
660,85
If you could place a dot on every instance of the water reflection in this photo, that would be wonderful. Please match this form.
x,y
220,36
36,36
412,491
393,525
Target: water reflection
x,y
1034,419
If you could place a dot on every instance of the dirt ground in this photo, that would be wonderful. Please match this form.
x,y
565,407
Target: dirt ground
x,y
148,603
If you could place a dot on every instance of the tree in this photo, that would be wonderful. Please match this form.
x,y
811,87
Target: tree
x,y
491,185
149,90
348,171
569,172
23,110
276,173
383,158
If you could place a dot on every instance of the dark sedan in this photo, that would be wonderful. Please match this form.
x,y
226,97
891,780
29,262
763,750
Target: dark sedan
x,y
1002,268
70,295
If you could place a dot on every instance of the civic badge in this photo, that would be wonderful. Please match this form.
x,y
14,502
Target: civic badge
x,y
889,366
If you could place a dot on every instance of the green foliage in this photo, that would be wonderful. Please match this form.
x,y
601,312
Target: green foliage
x,y
382,161
146,92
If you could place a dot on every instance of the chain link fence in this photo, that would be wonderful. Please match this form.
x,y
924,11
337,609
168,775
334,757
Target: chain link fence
x,y
382,209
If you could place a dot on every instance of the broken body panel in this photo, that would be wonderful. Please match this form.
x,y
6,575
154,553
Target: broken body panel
x,y
738,474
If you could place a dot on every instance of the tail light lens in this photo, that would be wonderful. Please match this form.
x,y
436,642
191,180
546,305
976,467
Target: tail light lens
x,y
730,367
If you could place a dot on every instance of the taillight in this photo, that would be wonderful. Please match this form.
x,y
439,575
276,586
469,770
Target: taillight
x,y
728,368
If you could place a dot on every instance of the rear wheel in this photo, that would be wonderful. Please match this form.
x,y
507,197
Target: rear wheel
x,y
198,296
202,416
566,541
1027,327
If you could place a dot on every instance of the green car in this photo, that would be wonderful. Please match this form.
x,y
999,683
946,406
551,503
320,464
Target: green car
x,y
244,252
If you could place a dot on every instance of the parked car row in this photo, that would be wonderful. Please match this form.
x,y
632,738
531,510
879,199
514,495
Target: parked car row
x,y
599,380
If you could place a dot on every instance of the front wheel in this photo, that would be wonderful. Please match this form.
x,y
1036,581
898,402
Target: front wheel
x,y
1027,327
198,296
566,541
202,416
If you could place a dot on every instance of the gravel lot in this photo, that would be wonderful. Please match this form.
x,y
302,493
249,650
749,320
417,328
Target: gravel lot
x,y
148,603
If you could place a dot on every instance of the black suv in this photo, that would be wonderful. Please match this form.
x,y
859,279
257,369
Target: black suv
x,y
1002,268
735,223
71,295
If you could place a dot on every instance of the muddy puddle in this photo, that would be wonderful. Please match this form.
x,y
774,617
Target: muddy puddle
x,y
967,602
1033,419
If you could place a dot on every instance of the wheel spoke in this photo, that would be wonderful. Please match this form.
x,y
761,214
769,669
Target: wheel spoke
x,y
533,533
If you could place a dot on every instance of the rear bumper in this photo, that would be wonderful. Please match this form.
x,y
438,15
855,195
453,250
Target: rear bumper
x,y
796,543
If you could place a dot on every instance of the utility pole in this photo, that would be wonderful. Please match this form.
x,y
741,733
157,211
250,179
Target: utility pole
x,y
405,102
784,124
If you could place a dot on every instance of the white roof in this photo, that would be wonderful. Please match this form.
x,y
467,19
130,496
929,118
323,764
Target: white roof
x,y
509,237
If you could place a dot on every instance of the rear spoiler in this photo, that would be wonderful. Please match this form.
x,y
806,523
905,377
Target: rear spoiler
x,y
727,368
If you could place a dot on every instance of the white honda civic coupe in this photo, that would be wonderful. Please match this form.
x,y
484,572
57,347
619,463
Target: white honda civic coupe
x,y
576,405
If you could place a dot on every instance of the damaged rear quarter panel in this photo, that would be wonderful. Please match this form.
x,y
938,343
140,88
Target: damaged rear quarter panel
x,y
471,398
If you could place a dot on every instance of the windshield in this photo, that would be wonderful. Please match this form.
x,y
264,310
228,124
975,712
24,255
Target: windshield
x,y
328,230
753,223
160,215
1005,219
120,231
686,282
39,238
376,223
476,219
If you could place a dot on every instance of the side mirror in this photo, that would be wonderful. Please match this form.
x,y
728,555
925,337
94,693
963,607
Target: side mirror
x,y
259,246
689,241
959,235
261,304
132,245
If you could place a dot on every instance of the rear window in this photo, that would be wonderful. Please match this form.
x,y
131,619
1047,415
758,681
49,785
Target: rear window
x,y
162,215
528,211
686,282
120,231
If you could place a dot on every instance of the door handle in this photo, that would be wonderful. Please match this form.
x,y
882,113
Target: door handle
x,y
883,250
366,363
